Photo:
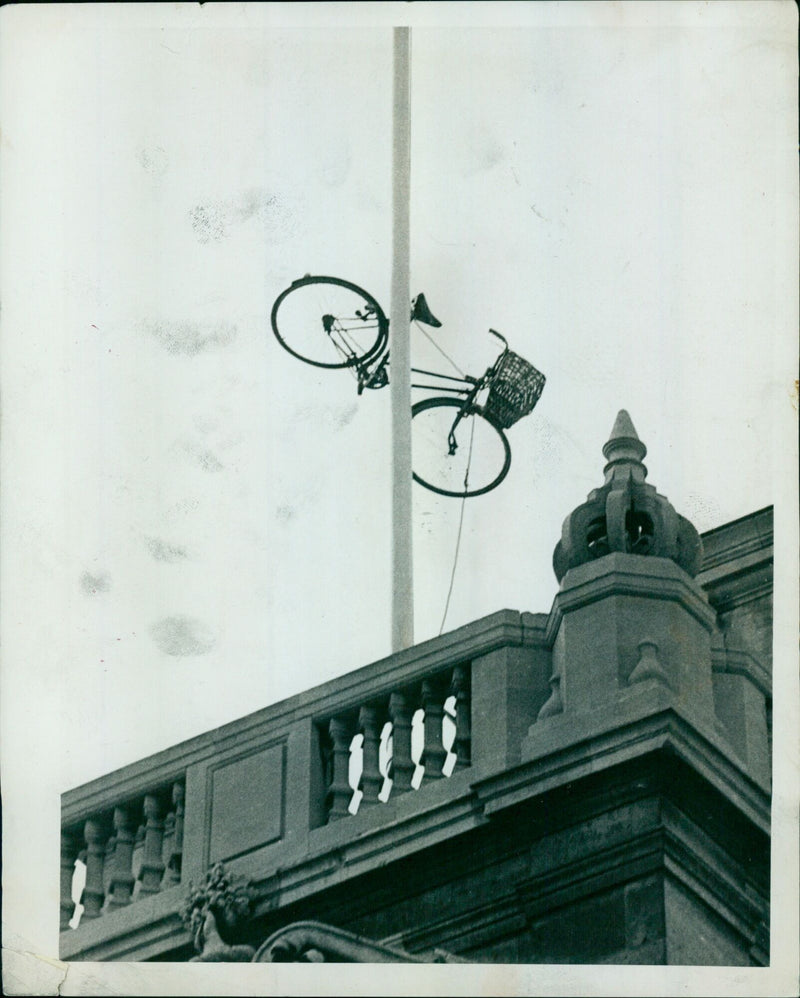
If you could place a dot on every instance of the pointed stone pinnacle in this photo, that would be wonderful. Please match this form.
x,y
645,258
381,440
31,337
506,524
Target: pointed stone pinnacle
x,y
623,426
624,449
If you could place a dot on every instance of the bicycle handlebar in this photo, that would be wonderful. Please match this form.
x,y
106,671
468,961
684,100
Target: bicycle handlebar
x,y
499,336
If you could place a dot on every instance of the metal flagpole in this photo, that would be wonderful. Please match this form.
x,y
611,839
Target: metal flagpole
x,y
400,351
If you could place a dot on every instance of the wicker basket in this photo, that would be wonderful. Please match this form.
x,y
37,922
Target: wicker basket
x,y
514,391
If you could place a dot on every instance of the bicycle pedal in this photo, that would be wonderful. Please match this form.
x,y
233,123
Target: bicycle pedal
x,y
421,313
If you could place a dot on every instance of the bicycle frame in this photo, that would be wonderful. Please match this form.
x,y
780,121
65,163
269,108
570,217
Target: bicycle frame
x,y
373,373
376,376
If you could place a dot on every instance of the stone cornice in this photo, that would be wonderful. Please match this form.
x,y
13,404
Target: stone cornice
x,y
738,538
732,585
738,562
345,849
628,575
468,929
736,662
139,931
601,745
702,867
592,872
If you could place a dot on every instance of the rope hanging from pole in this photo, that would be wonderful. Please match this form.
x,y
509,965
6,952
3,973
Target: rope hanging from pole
x,y
460,525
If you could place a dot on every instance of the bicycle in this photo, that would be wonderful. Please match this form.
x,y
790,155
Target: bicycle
x,y
459,445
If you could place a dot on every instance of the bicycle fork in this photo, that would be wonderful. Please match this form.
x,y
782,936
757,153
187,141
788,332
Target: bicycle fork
x,y
338,334
452,444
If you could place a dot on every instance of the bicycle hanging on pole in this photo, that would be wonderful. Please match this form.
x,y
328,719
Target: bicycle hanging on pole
x,y
459,443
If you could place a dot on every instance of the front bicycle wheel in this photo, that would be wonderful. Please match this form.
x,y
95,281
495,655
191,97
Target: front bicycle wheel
x,y
328,322
457,457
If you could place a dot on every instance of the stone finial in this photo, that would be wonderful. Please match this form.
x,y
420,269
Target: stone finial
x,y
624,450
625,514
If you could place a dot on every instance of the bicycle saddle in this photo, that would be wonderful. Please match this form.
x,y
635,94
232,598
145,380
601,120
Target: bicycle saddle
x,y
421,312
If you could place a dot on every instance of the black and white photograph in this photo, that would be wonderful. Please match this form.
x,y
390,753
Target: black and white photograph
x,y
399,502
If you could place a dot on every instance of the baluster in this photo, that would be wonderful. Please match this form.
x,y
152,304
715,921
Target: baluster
x,y
121,877
108,865
93,893
152,868
169,839
370,720
340,792
69,853
136,862
433,754
176,851
172,841
459,687
326,755
402,767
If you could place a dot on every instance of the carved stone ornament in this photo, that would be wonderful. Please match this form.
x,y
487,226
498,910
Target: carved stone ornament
x,y
625,514
222,902
314,942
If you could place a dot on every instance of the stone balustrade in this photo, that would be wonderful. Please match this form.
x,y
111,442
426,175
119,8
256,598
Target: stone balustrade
x,y
378,740
128,851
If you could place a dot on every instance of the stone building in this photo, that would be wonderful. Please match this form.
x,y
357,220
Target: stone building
x,y
593,785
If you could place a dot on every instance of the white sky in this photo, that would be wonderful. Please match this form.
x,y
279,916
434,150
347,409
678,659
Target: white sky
x,y
610,185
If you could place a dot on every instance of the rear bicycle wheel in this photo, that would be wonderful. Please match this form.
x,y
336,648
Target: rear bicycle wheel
x,y
328,322
480,460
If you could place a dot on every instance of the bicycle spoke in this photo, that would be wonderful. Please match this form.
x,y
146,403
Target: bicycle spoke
x,y
353,345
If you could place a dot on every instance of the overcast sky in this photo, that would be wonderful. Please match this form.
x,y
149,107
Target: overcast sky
x,y
196,524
